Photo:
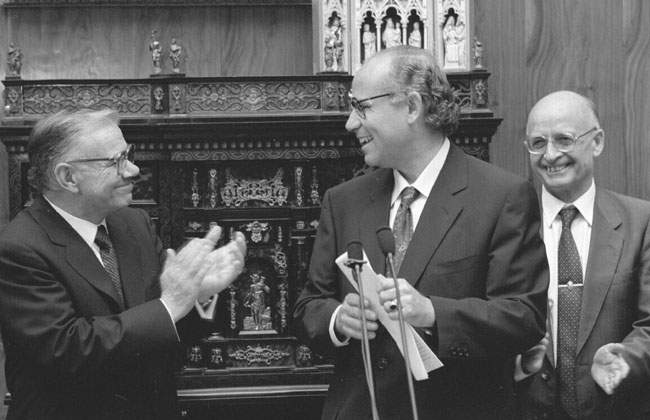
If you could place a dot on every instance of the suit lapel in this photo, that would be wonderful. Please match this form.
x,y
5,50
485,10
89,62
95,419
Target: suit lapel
x,y
604,254
439,213
128,257
78,254
375,216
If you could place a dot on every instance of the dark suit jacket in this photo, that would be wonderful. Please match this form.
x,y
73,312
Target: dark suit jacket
x,y
615,309
70,353
476,252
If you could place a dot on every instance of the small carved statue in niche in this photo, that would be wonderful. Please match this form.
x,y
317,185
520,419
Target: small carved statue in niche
x,y
415,39
391,35
14,60
369,42
175,51
256,299
334,46
478,54
453,35
156,52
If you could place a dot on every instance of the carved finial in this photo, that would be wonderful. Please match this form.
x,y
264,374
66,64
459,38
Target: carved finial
x,y
478,54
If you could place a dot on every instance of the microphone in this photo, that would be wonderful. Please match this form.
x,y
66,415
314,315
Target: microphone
x,y
355,262
355,255
386,242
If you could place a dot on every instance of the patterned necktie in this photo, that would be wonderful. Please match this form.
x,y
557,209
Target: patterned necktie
x,y
403,226
569,302
107,253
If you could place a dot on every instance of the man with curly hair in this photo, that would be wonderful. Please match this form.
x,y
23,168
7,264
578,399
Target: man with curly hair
x,y
472,279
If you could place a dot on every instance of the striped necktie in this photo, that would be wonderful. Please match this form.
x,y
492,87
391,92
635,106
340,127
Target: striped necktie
x,y
107,253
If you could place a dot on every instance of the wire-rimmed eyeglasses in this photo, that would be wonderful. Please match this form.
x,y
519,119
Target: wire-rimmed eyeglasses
x,y
356,104
562,142
119,159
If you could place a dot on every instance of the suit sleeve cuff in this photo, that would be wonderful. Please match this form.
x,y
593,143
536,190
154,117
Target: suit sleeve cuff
x,y
333,337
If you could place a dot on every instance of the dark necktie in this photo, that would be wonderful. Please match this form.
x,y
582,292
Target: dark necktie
x,y
569,302
403,226
107,253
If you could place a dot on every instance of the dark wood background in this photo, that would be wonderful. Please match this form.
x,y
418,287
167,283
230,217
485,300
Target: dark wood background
x,y
600,48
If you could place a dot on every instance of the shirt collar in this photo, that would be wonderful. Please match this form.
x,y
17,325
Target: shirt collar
x,y
424,183
552,205
87,230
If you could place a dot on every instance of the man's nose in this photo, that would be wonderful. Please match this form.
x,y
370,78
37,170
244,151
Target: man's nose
x,y
354,121
131,170
551,152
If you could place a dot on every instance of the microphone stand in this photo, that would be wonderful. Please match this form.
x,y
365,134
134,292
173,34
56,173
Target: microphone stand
x,y
356,267
402,330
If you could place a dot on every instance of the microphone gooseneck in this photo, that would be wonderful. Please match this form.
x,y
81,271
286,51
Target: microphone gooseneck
x,y
386,242
355,262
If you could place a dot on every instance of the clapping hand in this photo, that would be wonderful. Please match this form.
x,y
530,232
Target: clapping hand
x,y
222,266
184,271
609,368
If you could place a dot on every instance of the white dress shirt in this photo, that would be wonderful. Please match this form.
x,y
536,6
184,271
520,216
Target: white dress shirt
x,y
424,183
552,229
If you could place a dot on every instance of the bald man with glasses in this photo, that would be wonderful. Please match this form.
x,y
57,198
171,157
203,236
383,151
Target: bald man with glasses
x,y
594,362
92,308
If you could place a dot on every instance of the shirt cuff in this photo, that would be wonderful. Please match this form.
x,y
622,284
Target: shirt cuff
x,y
171,318
206,309
520,375
333,337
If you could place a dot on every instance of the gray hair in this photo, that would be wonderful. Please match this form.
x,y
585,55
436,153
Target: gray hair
x,y
54,136
416,70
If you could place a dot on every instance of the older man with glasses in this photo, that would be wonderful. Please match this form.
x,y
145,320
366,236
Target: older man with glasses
x,y
594,362
472,279
91,305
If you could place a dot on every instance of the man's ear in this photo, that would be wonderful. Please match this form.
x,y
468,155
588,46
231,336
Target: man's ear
x,y
65,176
599,142
415,106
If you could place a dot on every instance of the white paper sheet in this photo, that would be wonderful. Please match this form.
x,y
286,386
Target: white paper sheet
x,y
422,359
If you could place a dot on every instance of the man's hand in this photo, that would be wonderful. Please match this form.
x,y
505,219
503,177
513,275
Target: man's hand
x,y
222,266
532,359
348,320
609,367
416,308
183,273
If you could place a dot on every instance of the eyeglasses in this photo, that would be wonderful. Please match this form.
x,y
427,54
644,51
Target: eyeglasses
x,y
355,104
562,142
119,159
